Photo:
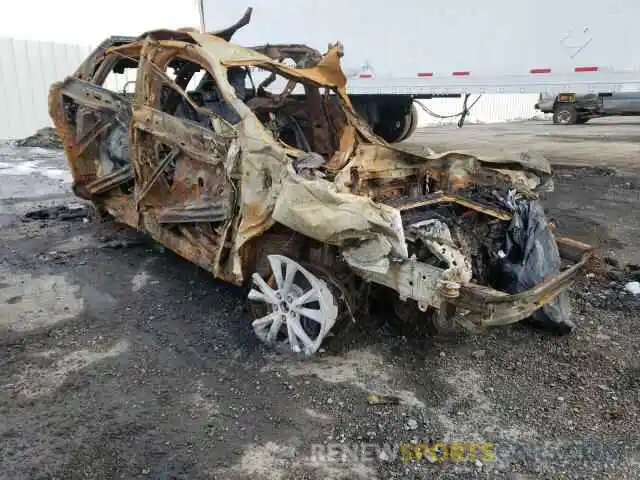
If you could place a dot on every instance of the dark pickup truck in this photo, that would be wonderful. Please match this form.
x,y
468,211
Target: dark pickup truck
x,y
569,108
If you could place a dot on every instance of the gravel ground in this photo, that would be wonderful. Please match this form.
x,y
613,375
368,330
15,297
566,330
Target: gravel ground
x,y
120,360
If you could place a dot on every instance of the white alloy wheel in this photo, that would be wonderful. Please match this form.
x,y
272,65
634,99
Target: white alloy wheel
x,y
299,308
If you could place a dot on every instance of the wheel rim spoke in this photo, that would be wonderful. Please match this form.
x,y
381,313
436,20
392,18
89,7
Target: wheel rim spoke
x,y
264,325
293,341
290,273
300,334
276,268
275,328
309,296
258,296
311,313
268,292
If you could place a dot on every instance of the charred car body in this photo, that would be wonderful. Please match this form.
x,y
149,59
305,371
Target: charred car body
x,y
292,193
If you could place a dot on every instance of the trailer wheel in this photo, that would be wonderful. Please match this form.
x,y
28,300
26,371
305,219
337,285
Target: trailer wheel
x,y
411,122
565,114
396,121
392,129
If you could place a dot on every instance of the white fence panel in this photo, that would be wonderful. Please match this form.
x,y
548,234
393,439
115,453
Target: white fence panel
x,y
490,108
27,70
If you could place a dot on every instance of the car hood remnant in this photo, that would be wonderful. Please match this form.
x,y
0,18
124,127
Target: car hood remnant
x,y
243,177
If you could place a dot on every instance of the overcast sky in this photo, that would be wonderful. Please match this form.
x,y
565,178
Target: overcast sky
x,y
90,21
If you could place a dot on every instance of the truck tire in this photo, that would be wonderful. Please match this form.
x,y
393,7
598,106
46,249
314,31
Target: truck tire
x,y
565,114
411,121
393,128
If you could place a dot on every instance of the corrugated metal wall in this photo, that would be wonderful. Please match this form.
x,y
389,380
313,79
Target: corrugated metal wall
x,y
27,69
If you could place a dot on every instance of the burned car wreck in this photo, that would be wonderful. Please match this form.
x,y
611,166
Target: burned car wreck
x,y
289,192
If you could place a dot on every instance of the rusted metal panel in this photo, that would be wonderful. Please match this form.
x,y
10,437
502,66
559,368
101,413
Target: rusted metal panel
x,y
108,182
194,213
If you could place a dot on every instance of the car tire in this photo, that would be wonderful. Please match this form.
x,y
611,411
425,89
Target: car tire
x,y
565,114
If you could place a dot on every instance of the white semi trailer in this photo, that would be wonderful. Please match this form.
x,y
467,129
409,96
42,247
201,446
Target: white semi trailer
x,y
399,51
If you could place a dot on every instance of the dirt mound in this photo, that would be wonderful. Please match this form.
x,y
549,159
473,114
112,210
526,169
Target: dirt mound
x,y
43,138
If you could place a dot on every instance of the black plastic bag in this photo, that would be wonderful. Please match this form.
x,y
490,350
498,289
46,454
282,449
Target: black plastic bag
x,y
528,256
